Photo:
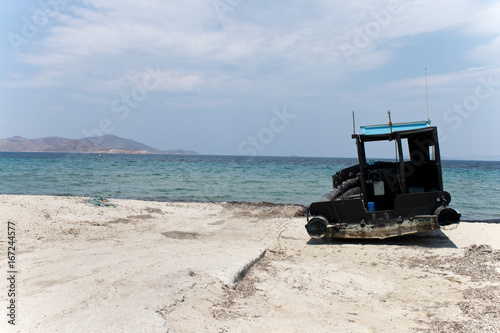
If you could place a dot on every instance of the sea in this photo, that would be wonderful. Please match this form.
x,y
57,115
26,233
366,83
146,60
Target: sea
x,y
474,185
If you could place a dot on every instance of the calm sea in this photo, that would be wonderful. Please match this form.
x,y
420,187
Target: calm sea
x,y
474,186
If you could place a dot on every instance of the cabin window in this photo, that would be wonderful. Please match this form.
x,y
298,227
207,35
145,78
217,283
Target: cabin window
x,y
381,150
432,153
406,149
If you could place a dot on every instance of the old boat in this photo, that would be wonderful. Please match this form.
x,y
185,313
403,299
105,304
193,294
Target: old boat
x,y
380,199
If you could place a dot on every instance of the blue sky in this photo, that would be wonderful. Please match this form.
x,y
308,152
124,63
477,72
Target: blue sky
x,y
236,77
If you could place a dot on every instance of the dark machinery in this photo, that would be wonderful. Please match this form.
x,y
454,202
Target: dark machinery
x,y
380,199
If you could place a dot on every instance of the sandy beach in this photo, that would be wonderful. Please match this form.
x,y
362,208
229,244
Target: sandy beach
x,y
236,267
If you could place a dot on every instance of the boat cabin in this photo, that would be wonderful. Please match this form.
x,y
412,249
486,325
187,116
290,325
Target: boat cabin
x,y
416,169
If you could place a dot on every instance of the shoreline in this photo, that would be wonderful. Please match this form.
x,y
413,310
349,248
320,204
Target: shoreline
x,y
243,202
251,203
148,266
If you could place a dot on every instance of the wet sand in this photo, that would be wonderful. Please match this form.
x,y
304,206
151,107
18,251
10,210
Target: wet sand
x,y
237,267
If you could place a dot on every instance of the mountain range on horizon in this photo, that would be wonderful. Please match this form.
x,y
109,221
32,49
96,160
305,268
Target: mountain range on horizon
x,y
100,144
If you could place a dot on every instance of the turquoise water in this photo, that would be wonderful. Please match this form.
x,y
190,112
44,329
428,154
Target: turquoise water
x,y
473,185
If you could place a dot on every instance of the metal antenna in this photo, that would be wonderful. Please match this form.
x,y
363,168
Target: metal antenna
x,y
427,96
353,123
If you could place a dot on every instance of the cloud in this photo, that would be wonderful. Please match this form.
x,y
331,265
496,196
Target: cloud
x,y
454,80
488,53
103,47
116,37
74,96
483,19
46,78
406,98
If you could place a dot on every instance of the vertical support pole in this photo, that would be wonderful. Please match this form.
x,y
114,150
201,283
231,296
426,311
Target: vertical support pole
x,y
427,96
353,123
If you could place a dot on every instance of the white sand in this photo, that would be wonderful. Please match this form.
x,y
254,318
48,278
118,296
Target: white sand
x,y
171,267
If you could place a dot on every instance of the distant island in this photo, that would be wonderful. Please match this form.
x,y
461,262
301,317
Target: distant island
x,y
104,144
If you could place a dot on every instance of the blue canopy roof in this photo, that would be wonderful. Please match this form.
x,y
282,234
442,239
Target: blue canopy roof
x,y
396,127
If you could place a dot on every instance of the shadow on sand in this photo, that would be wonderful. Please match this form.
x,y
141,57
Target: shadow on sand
x,y
429,239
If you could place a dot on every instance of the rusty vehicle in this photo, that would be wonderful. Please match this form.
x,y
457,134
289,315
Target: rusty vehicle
x,y
387,198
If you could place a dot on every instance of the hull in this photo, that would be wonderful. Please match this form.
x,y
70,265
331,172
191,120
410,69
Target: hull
x,y
384,230
412,213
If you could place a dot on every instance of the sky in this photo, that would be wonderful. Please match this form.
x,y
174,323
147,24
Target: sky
x,y
240,77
